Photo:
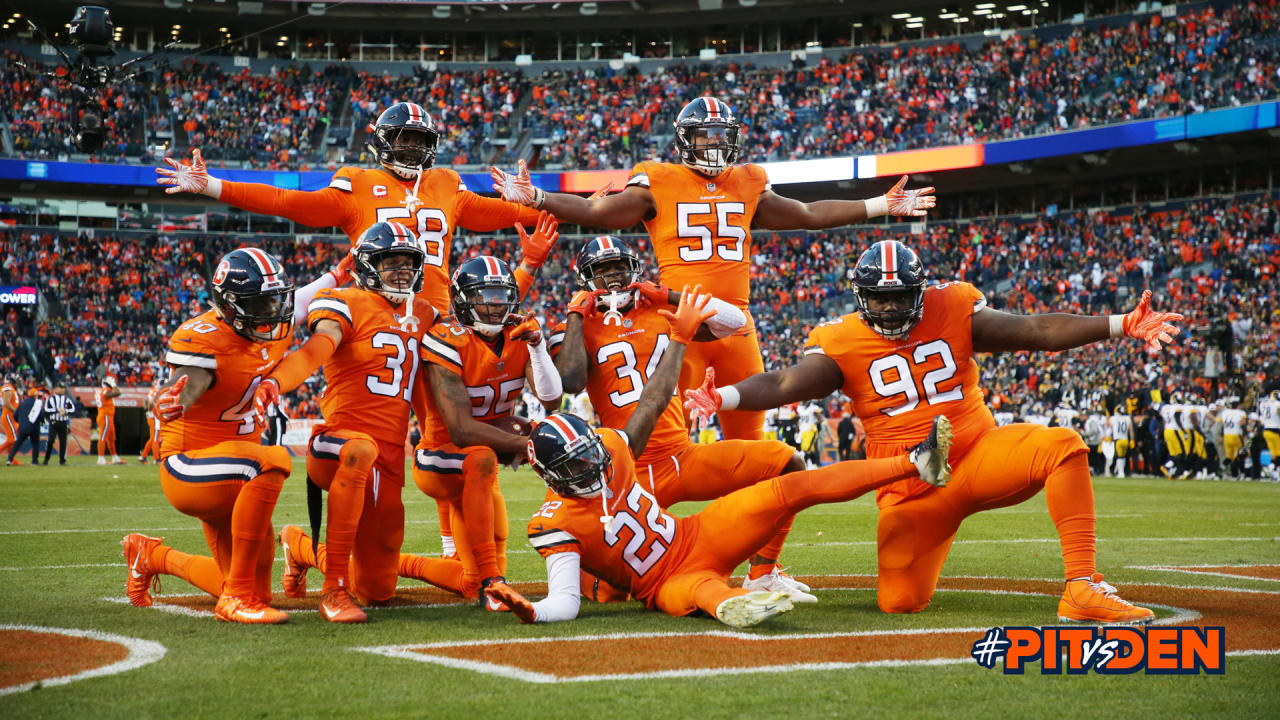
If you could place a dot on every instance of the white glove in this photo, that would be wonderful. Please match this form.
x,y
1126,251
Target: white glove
x,y
911,203
518,188
193,178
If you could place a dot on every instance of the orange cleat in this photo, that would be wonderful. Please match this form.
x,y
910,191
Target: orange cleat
x,y
1091,600
295,573
136,549
498,596
250,611
337,606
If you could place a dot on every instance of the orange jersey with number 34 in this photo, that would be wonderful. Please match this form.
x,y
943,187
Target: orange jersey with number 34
x,y
369,379
224,412
493,374
899,385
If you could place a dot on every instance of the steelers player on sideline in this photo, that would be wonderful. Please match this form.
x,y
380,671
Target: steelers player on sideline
x,y
403,188
614,339
477,364
904,357
595,501
699,214
213,465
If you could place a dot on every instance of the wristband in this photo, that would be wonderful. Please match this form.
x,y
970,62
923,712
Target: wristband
x,y
729,398
876,206
1117,326
539,198
213,188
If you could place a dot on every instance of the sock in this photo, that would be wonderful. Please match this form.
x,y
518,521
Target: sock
x,y
444,512
444,573
709,594
307,557
266,561
1068,492
767,559
480,476
500,529
842,481
250,530
470,574
201,571
761,566
446,541
346,502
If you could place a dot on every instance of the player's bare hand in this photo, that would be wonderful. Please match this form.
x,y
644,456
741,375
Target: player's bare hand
x,y
518,188
584,302
537,247
1150,326
184,178
703,402
910,203
528,330
168,407
268,392
651,293
689,315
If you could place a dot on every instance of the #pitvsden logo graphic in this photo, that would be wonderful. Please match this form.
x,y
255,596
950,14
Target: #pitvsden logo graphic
x,y
1111,650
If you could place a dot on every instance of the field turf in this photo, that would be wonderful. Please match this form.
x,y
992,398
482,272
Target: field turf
x,y
60,531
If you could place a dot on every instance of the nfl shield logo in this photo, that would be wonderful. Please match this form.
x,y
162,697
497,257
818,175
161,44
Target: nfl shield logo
x,y
501,365
626,322
711,187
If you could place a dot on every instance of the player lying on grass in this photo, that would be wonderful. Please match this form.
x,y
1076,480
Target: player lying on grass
x,y
213,464
904,358
597,515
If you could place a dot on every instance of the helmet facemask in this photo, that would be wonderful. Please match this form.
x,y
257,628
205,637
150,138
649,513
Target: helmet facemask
x,y
892,311
709,148
583,470
406,151
487,308
613,275
262,317
395,274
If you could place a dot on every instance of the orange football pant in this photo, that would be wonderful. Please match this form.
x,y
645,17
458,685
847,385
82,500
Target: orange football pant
x,y
735,358
1005,466
232,488
10,430
107,432
731,529
365,517
152,448
467,480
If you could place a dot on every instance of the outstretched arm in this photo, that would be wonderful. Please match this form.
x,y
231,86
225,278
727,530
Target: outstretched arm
x,y
623,210
815,376
564,589
996,331
775,212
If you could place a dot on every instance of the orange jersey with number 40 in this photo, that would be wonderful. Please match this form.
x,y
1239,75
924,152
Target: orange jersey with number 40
x,y
899,385
225,411
493,374
701,229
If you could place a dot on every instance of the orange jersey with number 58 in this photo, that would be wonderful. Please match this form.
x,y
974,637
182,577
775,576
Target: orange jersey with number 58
x,y
369,379
701,229
493,374
224,412
899,385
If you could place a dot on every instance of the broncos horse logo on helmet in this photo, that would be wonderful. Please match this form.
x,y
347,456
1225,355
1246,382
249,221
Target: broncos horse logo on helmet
x,y
404,139
708,136
484,294
569,456
252,293
891,275
382,241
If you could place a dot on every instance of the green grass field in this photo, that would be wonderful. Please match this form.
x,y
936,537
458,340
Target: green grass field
x,y
60,530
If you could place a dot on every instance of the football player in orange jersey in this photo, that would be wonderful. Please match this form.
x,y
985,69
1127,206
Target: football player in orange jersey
x,y
367,339
699,214
905,357
477,366
214,466
613,341
405,188
152,448
8,406
599,517
106,396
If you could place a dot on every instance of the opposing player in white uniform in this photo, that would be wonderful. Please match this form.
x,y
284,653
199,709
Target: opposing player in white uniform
x,y
1122,437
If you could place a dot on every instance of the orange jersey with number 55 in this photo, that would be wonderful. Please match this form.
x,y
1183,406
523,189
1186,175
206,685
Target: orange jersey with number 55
x,y
701,229
643,545
493,374
369,379
899,385
224,412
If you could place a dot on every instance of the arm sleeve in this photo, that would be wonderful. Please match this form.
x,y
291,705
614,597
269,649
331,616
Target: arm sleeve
x,y
298,365
524,280
303,297
319,208
564,589
483,214
546,379
728,319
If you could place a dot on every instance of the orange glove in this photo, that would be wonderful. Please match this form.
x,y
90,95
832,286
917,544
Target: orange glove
x,y
268,392
689,315
584,302
342,273
168,408
535,248
703,402
529,330
651,293
1147,325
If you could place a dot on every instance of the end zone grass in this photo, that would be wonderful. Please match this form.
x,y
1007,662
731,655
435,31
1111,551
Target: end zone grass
x,y
59,542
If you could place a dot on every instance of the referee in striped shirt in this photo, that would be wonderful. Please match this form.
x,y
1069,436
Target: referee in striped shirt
x,y
58,408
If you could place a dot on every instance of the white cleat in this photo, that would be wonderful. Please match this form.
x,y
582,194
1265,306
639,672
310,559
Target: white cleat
x,y
930,456
753,608
777,581
102,460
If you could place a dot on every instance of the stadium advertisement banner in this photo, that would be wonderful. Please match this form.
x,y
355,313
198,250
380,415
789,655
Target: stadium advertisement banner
x,y
18,295
86,396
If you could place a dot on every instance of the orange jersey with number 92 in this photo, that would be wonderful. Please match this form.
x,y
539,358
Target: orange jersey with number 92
x,y
224,412
899,385
493,374
369,379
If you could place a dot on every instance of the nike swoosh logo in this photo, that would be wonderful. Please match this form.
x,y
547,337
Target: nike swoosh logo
x,y
252,615
331,614
133,569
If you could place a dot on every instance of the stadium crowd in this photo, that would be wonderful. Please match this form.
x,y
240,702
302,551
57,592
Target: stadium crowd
x,y
869,101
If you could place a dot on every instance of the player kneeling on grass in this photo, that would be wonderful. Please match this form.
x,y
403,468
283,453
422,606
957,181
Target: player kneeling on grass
x,y
614,336
905,358
367,339
213,465
598,516
477,365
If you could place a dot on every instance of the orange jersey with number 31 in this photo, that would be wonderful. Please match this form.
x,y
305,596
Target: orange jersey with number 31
x,y
493,374
899,385
224,412
369,379
701,229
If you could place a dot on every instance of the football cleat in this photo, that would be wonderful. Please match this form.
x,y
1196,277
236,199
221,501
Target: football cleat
x,y
102,460
1091,600
497,596
752,608
337,606
930,456
294,580
250,611
136,549
777,581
